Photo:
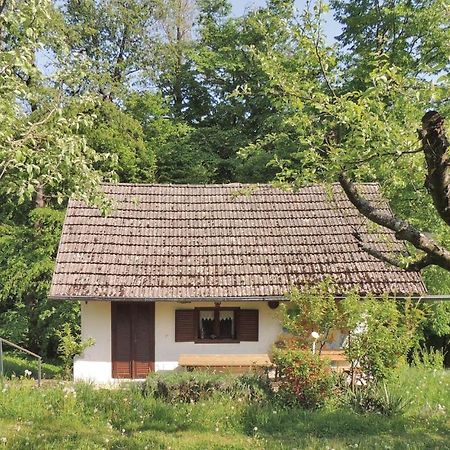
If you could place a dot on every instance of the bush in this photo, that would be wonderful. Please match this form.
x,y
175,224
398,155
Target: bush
x,y
191,387
387,332
305,378
377,399
424,358
69,347
382,331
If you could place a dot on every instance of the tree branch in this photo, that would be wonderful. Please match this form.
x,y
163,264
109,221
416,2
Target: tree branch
x,y
414,266
402,229
3,6
397,156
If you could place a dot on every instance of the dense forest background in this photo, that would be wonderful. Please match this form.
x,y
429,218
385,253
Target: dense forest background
x,y
181,91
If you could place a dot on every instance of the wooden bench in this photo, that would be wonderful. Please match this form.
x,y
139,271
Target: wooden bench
x,y
226,363
338,359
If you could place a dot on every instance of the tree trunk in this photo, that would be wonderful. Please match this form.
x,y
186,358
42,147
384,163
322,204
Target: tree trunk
x,y
39,197
435,147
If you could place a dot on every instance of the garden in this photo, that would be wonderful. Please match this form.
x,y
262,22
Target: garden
x,y
395,393
199,411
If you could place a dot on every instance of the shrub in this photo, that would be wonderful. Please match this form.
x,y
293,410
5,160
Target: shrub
x,y
382,330
190,387
305,378
315,309
428,358
376,399
387,332
69,347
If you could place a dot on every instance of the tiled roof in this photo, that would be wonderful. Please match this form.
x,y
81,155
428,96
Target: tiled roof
x,y
221,241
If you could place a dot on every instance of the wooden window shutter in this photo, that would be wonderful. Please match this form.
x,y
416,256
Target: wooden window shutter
x,y
184,325
248,328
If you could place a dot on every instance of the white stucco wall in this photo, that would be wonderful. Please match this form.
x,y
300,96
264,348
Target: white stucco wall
x,y
95,363
167,351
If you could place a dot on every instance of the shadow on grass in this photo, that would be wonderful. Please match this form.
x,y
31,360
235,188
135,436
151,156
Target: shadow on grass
x,y
14,365
344,426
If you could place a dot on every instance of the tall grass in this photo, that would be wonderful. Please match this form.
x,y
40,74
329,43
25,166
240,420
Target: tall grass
x,y
80,416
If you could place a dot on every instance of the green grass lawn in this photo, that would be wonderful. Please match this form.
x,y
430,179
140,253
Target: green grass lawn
x,y
67,416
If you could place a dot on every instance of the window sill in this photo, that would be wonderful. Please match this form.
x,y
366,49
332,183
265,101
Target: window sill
x,y
217,341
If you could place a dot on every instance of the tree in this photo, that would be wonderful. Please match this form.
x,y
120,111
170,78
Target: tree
x,y
411,37
409,34
29,241
111,42
40,149
356,112
116,133
368,134
228,100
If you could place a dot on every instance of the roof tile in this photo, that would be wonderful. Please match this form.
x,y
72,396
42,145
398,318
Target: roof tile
x,y
221,241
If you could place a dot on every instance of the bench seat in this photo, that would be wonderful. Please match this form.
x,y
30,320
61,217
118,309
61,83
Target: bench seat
x,y
225,361
338,359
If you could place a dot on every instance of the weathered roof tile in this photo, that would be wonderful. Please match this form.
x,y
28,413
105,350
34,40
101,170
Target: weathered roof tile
x,y
221,241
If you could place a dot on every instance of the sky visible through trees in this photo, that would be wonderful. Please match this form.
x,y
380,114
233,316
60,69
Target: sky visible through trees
x,y
331,27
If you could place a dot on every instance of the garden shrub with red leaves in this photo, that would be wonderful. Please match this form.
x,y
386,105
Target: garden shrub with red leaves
x,y
305,379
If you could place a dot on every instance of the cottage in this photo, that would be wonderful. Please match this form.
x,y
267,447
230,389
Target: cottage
x,y
179,270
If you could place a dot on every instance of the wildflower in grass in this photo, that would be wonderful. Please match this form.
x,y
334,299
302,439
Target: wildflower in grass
x,y
255,429
27,373
4,440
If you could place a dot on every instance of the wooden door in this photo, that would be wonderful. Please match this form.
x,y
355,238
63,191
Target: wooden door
x,y
133,339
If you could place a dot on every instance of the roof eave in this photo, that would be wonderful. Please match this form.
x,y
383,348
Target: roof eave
x,y
170,299
418,297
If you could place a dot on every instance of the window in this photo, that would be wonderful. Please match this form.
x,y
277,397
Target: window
x,y
216,324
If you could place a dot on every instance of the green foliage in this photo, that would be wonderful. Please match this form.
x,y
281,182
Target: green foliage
x,y
305,379
387,332
119,135
66,415
424,358
315,309
15,365
377,399
412,35
182,156
40,147
190,387
382,330
69,347
108,43
29,242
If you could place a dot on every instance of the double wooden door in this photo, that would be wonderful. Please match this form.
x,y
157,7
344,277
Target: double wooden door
x,y
133,339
